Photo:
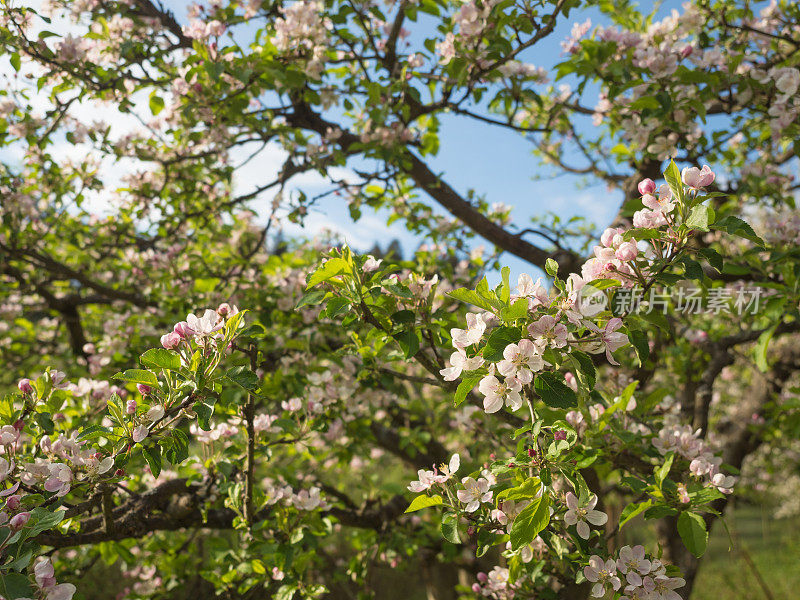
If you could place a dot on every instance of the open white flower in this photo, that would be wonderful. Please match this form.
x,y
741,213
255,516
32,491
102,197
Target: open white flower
x,y
472,335
579,515
205,325
520,361
602,574
498,392
474,492
460,362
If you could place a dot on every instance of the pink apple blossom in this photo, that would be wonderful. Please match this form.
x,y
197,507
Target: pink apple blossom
x,y
697,178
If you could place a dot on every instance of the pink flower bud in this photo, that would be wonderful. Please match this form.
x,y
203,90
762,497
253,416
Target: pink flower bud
x,y
698,178
25,386
170,340
183,330
130,407
224,309
647,186
18,521
476,587
687,50
13,502
569,378
483,577
531,452
470,530
559,434
608,236
119,472
19,424
627,251
143,389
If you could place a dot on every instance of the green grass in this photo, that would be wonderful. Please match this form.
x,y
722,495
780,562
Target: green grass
x,y
773,547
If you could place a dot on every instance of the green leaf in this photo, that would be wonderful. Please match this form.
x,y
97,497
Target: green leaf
x,y
529,522
505,288
450,528
424,501
408,341
470,297
161,358
156,104
713,257
673,177
659,512
633,509
329,269
735,226
337,306
701,217
311,298
153,458
466,385
518,310
639,342
15,585
692,268
45,421
586,372
244,378
692,529
15,61
93,431
554,392
663,470
138,376
403,317
551,267
204,411
760,350
498,340
530,488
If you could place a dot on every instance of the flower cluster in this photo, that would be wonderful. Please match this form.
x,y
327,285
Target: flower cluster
x,y
703,464
644,578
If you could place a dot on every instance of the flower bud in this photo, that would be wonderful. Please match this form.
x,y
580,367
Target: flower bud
x,y
13,502
531,452
25,386
559,434
143,389
607,237
19,424
698,178
687,50
483,577
17,522
224,309
647,186
119,472
170,340
183,330
130,407
627,251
